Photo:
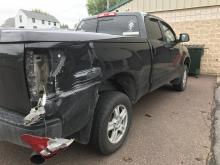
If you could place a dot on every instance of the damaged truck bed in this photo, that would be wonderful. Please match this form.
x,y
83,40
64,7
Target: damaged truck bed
x,y
49,87
57,87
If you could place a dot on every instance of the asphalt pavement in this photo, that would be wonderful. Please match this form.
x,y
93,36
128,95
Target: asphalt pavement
x,y
169,128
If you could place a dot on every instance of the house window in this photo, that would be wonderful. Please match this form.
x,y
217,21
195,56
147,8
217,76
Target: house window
x,y
33,20
43,21
48,22
34,27
21,27
55,23
20,18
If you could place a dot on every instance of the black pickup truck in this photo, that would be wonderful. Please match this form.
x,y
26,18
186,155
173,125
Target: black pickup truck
x,y
57,87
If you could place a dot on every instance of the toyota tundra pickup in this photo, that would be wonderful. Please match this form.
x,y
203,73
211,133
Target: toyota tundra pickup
x,y
57,87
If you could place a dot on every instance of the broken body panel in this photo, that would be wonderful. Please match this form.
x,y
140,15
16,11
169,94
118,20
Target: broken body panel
x,y
50,81
69,75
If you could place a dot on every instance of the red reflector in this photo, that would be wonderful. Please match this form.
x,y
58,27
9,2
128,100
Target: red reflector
x,y
106,15
37,143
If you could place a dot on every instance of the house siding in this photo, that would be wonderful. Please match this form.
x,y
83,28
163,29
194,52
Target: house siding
x,y
162,5
24,22
28,24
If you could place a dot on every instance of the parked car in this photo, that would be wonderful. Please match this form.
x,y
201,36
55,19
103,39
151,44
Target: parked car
x,y
57,87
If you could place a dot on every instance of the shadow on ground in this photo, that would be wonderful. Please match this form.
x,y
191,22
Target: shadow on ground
x,y
169,128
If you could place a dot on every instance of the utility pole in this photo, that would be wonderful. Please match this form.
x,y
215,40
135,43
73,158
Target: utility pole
x,y
108,4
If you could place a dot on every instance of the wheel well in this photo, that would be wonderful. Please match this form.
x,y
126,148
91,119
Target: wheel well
x,y
122,82
187,62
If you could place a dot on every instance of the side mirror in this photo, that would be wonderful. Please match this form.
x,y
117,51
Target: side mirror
x,y
184,37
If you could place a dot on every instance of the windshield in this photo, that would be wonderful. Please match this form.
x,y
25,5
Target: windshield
x,y
119,25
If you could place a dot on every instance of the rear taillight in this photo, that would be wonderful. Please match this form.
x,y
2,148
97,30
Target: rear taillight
x,y
46,147
108,14
37,143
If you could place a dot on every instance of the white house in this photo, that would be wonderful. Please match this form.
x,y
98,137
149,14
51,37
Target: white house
x,y
35,20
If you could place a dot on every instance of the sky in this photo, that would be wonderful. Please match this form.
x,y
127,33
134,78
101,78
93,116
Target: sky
x,y
66,11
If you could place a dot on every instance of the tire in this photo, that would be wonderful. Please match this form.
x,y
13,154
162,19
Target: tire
x,y
105,115
181,83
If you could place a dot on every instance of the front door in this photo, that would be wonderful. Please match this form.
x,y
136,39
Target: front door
x,y
161,54
171,43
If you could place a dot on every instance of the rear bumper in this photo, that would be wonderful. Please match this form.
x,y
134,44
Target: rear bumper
x,y
11,127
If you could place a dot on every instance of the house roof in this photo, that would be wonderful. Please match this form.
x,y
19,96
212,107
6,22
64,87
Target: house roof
x,y
40,16
10,22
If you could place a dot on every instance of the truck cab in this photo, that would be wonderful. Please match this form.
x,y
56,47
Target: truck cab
x,y
166,48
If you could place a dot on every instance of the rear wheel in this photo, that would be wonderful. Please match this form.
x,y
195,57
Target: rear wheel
x,y
181,83
112,121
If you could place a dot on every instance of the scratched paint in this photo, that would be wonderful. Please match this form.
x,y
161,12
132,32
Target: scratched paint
x,y
67,96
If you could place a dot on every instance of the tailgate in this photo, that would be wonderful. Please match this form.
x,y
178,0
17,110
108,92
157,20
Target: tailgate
x,y
13,89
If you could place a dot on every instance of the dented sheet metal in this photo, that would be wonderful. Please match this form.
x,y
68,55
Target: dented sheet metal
x,y
37,113
59,74
55,145
65,73
47,147
83,81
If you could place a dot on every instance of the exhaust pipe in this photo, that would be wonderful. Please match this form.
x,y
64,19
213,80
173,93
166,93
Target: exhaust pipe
x,y
44,147
37,158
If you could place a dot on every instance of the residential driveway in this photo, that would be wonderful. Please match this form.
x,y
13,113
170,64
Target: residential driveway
x,y
169,128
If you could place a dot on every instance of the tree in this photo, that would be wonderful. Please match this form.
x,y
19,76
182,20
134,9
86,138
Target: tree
x,y
98,6
64,26
39,11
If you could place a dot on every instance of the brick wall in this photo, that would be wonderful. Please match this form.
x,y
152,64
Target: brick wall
x,y
203,26
207,33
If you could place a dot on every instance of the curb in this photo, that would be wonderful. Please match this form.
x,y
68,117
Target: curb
x,y
218,80
217,126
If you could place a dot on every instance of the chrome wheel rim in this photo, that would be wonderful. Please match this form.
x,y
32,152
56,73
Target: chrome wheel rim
x,y
184,78
117,124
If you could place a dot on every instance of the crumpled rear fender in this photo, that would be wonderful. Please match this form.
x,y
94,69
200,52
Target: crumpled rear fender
x,y
76,82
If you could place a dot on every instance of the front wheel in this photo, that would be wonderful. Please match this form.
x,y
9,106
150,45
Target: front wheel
x,y
112,121
181,83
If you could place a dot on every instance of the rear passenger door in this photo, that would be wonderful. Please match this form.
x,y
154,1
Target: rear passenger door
x,y
161,54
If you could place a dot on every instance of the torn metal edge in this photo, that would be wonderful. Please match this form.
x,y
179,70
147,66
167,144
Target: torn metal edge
x,y
36,113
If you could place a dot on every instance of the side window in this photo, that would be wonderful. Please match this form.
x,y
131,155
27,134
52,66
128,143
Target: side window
x,y
169,35
153,29
89,25
120,25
